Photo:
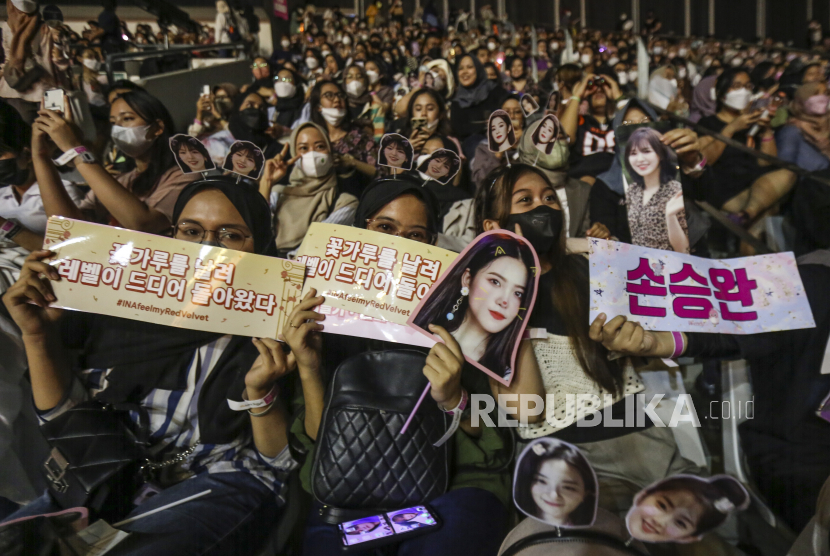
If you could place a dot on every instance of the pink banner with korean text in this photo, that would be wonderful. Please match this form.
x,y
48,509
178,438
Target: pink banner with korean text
x,y
349,323
133,275
664,290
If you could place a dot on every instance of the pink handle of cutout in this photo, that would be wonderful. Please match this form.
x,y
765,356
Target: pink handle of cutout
x,y
415,409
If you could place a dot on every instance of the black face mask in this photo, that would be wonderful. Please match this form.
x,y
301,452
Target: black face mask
x,y
541,226
11,174
254,118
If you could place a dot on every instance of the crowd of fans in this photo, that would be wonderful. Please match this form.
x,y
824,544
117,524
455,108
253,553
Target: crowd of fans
x,y
334,86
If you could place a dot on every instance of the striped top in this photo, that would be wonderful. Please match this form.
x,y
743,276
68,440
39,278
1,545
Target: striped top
x,y
174,424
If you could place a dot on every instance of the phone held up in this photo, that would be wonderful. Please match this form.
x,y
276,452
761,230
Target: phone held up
x,y
387,528
55,99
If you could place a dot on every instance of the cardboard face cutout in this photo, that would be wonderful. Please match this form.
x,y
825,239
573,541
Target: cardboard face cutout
x,y
395,152
555,484
554,101
653,186
244,159
441,166
529,105
546,134
191,155
483,300
500,134
683,508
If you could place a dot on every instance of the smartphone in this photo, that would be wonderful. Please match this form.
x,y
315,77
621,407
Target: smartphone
x,y
418,123
378,530
206,90
759,104
54,99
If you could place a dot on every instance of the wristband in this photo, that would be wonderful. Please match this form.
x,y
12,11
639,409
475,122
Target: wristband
x,y
245,404
679,345
462,404
456,413
69,155
10,229
767,139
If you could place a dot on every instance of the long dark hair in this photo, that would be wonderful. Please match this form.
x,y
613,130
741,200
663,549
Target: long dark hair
x,y
192,143
706,492
444,127
570,283
314,102
646,136
511,134
529,466
445,295
151,110
538,131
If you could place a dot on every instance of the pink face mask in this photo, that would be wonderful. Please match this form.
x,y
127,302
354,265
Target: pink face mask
x,y
816,105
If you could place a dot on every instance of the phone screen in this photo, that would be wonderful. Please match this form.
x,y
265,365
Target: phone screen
x,y
366,529
411,518
386,525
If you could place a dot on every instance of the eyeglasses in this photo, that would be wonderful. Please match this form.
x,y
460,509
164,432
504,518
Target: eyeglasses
x,y
632,122
262,65
227,236
284,79
393,229
328,95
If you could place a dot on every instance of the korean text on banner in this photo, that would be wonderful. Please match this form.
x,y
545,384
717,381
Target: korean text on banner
x,y
663,290
374,274
133,275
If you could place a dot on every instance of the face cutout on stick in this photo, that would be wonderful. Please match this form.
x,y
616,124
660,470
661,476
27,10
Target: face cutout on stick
x,y
191,155
441,166
245,159
683,508
554,100
555,484
483,300
500,134
546,134
395,152
529,105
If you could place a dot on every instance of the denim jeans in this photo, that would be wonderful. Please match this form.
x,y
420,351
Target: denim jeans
x,y
474,521
234,519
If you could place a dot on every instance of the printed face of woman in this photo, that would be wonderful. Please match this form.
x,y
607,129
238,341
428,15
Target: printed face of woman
x,y
557,490
546,131
364,527
192,157
243,162
496,293
665,517
395,155
438,168
644,160
499,130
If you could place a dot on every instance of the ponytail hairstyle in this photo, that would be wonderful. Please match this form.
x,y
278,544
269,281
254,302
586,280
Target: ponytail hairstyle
x,y
152,111
570,284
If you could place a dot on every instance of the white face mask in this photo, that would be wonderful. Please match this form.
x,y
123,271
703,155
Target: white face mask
x,y
658,50
347,41
373,76
132,141
311,62
613,61
632,75
661,91
92,64
25,6
736,61
315,165
737,100
333,116
285,90
285,44
325,53
681,73
355,88
554,46
491,46
622,78
585,59
682,52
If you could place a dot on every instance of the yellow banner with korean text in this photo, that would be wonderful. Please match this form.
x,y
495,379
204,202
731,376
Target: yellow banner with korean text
x,y
133,275
370,273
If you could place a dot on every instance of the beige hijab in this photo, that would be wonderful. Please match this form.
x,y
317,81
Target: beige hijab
x,y
306,199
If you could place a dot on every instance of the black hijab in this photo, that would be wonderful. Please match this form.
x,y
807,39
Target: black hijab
x,y
381,192
289,109
145,356
241,130
478,91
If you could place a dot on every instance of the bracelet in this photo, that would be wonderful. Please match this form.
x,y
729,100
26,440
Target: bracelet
x,y
462,404
456,413
252,414
679,345
10,229
246,404
767,139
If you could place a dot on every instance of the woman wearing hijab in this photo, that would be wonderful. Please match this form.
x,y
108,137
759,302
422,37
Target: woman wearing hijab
x,y
475,98
479,487
703,104
312,194
249,122
182,379
805,140
288,86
